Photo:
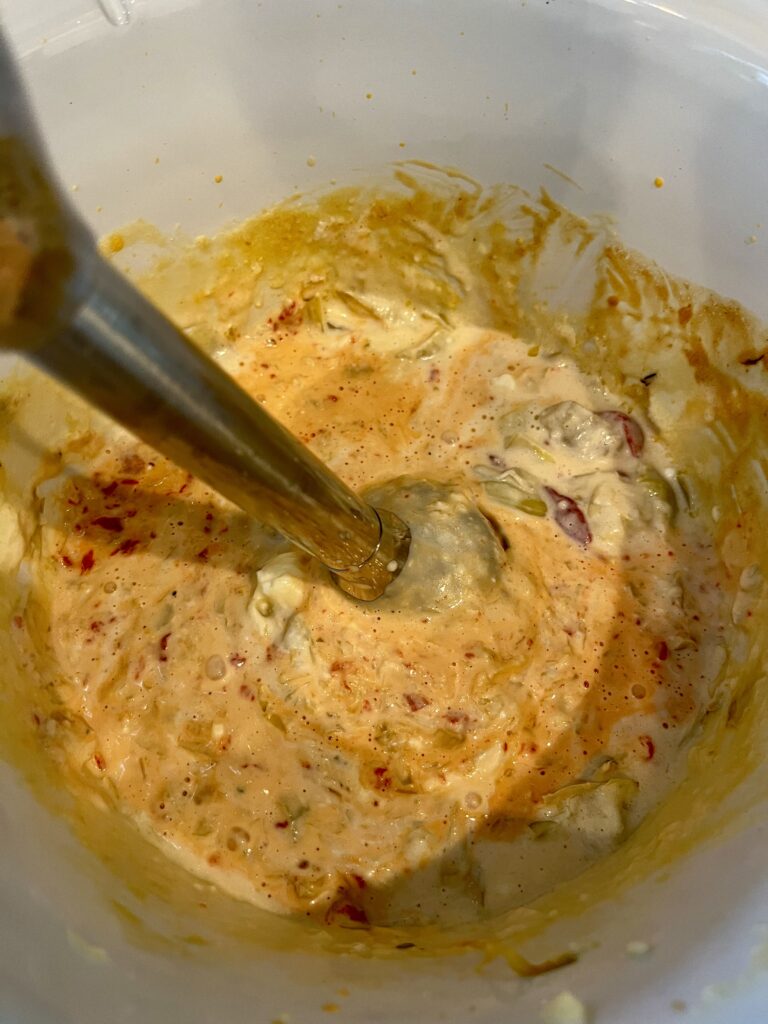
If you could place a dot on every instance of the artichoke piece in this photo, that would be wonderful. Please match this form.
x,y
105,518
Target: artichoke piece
x,y
596,811
658,488
197,737
447,739
514,488
507,494
293,807
542,829
518,441
427,347
532,506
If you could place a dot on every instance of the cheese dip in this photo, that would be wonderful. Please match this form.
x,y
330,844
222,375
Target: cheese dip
x,y
380,763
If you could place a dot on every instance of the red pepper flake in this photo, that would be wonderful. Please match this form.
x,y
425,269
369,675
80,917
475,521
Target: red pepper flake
x,y
434,375
237,660
752,360
101,764
415,701
66,561
289,313
126,547
110,489
246,692
86,562
633,432
382,780
333,398
112,523
203,555
650,747
164,646
281,824
129,482
460,718
570,518
360,881
18,621
349,910
96,626
663,650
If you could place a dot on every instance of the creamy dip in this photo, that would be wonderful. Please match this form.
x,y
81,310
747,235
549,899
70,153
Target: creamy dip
x,y
375,763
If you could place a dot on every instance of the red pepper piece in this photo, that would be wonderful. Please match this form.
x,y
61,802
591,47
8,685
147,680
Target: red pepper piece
x,y
112,523
415,701
633,432
570,518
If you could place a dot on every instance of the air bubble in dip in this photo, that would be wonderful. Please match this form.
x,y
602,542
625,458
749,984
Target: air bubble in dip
x,y
215,667
110,587
472,801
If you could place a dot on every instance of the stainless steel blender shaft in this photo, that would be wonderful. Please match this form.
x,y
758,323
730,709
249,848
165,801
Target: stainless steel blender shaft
x,y
126,358
81,321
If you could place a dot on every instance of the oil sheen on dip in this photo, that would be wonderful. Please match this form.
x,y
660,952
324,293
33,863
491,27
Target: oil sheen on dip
x,y
375,763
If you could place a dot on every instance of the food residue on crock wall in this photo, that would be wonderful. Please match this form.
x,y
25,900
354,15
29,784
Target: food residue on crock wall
x,y
359,764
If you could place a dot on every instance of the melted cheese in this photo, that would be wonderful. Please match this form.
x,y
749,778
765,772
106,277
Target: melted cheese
x,y
368,762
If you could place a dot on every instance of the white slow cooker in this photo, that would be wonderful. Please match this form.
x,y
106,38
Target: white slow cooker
x,y
654,113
